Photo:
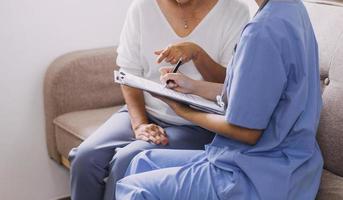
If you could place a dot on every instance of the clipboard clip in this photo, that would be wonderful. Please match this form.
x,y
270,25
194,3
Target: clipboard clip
x,y
119,76
220,101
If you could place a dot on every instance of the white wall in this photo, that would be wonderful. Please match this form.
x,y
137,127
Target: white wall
x,y
32,34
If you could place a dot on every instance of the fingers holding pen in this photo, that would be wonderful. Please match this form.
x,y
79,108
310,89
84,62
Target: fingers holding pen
x,y
165,70
171,78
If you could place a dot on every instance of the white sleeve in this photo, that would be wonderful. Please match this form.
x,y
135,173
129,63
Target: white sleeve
x,y
128,58
232,34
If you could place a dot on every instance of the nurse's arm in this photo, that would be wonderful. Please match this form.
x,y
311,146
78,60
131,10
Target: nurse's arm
x,y
218,124
181,83
207,90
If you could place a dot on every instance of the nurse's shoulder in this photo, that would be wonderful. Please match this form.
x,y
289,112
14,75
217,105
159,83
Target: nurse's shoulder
x,y
282,19
267,28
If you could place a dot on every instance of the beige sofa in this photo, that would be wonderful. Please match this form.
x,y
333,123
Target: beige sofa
x,y
79,95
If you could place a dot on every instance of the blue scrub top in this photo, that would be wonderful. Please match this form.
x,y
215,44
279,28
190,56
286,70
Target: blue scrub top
x,y
273,85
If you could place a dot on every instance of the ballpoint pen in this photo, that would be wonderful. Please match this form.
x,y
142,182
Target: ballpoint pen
x,y
178,64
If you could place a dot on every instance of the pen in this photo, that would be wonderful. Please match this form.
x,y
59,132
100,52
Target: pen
x,y
178,64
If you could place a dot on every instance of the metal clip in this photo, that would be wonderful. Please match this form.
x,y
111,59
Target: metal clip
x,y
220,101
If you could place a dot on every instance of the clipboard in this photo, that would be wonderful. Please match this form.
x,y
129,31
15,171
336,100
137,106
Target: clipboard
x,y
191,100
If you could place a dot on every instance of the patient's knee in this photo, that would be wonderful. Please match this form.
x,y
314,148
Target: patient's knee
x,y
123,157
85,158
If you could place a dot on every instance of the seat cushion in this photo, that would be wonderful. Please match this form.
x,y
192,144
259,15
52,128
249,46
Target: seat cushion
x,y
331,187
74,127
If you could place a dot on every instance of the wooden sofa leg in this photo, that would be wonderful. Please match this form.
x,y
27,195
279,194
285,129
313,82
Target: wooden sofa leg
x,y
65,162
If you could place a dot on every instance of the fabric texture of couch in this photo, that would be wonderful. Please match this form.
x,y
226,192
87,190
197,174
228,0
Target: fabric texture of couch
x,y
79,95
76,86
327,20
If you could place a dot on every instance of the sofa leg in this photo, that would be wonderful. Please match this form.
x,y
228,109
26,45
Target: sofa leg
x,y
65,162
64,198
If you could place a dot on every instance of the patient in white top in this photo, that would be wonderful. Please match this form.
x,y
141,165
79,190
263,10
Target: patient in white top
x,y
203,32
157,33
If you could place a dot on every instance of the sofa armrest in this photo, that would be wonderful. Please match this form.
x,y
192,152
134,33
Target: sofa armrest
x,y
78,81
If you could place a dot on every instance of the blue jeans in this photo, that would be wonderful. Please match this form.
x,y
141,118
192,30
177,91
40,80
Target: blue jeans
x,y
102,159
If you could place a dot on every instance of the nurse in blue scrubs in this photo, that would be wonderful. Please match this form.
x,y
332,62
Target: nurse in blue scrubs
x,y
265,147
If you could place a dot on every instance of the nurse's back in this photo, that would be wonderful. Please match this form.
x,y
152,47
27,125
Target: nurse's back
x,y
300,104
289,142
276,76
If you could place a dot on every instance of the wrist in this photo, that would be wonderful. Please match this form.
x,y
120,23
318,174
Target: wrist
x,y
196,87
196,51
136,126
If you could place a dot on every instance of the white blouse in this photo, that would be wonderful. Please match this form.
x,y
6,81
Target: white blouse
x,y
146,30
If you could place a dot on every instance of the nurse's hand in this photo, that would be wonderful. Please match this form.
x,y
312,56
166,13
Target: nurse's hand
x,y
185,50
177,81
151,133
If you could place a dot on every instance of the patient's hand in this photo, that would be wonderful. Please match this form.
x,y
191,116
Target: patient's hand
x,y
177,81
151,133
185,50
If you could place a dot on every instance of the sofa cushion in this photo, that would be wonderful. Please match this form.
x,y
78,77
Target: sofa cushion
x,y
329,32
330,187
74,127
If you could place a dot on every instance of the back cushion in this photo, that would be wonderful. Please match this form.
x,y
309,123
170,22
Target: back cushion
x,y
327,21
